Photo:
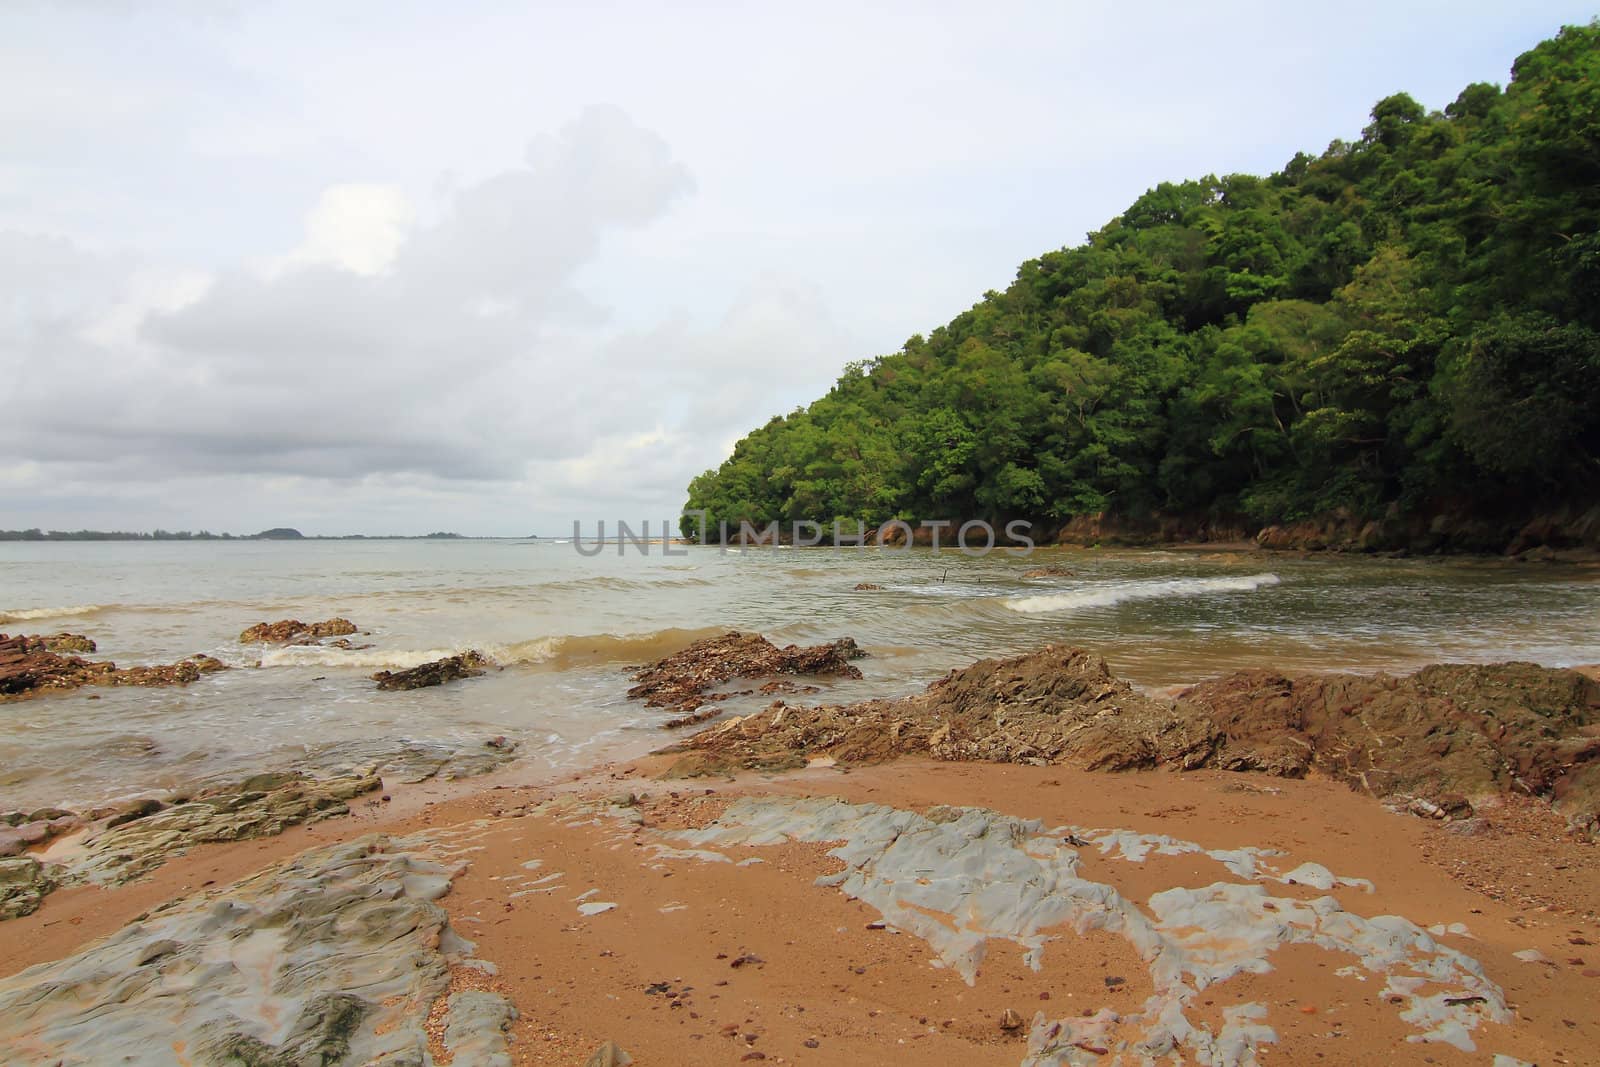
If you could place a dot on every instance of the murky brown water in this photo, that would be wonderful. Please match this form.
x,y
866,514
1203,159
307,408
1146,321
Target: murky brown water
x,y
566,625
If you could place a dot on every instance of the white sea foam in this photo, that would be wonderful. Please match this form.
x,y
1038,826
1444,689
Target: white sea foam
x,y
29,614
1106,594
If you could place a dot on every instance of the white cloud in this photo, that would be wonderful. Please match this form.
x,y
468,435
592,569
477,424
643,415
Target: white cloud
x,y
357,226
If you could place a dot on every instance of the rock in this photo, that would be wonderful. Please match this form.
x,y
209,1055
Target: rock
x,y
139,809
933,875
608,1055
403,761
295,632
1446,732
681,682
326,959
1054,570
11,843
866,586
476,1031
24,882
1059,704
468,664
27,667
145,835
64,642
51,815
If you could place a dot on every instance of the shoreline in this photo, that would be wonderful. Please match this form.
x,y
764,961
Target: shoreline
x,y
1516,885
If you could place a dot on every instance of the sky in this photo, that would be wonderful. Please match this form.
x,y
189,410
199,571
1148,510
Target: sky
x,y
393,267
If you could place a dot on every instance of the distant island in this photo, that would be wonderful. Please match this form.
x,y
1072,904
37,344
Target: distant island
x,y
277,533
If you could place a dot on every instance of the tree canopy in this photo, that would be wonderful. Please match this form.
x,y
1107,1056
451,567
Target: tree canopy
x,y
1408,318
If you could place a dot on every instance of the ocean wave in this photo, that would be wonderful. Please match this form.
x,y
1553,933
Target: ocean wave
x,y
29,614
559,652
1106,595
397,659
566,651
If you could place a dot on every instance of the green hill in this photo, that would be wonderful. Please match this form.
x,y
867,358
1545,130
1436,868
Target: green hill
x,y
1407,324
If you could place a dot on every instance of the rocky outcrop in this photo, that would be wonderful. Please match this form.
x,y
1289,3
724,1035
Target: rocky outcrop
x,y
682,682
334,958
122,843
28,666
145,834
468,664
295,632
1444,734
1057,704
62,642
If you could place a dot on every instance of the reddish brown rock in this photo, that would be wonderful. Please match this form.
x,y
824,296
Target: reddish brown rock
x,y
26,667
1438,738
466,665
295,632
681,682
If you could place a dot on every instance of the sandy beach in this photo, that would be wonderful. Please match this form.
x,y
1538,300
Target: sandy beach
x,y
704,920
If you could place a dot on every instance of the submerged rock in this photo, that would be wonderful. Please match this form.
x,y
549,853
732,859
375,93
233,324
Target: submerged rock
x,y
681,682
1445,734
468,664
27,666
407,761
295,632
329,959
1054,570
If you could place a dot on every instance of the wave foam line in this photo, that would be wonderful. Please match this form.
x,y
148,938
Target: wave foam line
x,y
559,652
29,614
1153,589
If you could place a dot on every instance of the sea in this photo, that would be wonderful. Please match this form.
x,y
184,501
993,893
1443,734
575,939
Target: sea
x,y
566,626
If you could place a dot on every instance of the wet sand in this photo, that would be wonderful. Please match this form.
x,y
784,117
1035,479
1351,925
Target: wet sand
x,y
718,962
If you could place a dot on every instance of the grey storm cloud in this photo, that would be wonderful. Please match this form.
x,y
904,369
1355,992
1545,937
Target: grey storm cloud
x,y
436,363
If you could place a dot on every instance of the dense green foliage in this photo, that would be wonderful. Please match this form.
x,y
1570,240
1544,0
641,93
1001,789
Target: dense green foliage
x,y
1410,318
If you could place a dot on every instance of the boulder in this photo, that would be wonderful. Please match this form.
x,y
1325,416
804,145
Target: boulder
x,y
468,664
682,682
295,632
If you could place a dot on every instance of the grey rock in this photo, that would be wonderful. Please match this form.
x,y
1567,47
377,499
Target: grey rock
x,y
476,1023
326,959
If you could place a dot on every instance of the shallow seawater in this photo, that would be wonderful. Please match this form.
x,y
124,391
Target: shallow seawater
x,y
567,627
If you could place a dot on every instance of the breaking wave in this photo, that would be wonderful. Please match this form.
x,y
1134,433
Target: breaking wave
x,y
560,652
29,614
1105,595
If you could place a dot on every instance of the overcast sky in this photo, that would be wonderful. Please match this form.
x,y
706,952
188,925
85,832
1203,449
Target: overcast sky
x,y
396,267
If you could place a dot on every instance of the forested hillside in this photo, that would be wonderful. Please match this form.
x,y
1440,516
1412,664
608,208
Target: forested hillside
x,y
1409,321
